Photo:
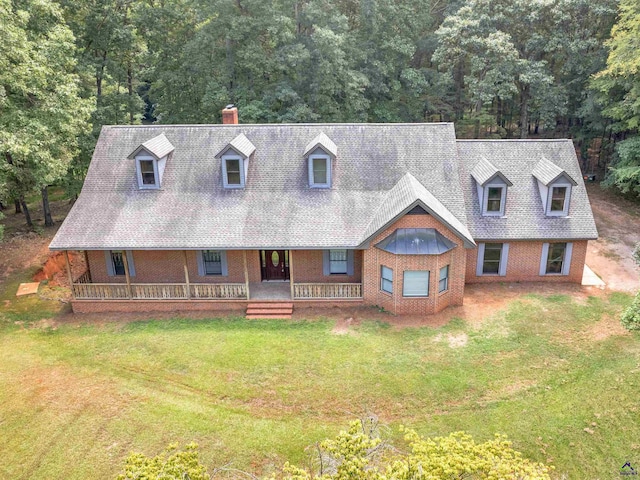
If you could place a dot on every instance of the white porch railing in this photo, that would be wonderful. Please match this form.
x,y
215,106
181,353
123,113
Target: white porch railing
x,y
159,291
326,290
219,290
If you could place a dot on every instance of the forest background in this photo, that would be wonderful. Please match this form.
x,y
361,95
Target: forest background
x,y
497,68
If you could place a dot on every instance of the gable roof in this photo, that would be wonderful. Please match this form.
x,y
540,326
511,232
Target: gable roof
x,y
276,209
485,171
241,144
403,197
159,146
524,217
321,141
548,172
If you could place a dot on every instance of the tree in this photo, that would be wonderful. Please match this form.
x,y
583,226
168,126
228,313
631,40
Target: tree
x,y
171,464
359,454
41,112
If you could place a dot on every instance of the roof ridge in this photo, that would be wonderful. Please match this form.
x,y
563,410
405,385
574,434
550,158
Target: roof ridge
x,y
209,125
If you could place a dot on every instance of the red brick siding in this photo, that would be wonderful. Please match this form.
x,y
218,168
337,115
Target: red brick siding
x,y
523,264
89,306
396,303
307,268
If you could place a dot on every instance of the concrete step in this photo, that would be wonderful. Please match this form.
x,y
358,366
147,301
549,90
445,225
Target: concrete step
x,y
269,317
269,311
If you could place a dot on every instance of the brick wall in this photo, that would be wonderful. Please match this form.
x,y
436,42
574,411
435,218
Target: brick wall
x,y
523,264
396,303
307,268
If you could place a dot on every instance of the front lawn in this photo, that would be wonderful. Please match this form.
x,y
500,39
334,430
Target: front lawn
x,y
556,374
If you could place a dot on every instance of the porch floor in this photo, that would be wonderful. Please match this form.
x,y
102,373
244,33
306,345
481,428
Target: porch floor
x,y
270,291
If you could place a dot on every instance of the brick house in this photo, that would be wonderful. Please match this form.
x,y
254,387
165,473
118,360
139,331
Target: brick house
x,y
402,216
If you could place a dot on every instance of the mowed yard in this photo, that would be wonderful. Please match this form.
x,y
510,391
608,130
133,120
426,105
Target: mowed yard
x,y
550,367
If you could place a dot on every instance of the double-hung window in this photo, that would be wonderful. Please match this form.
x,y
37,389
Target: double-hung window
x,y
386,279
320,171
492,259
494,200
556,258
233,175
338,261
415,283
115,260
443,283
558,197
212,260
147,172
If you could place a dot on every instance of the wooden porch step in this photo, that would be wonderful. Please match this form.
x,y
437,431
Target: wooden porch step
x,y
266,310
269,317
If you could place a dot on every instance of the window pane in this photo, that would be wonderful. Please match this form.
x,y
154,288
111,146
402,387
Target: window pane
x,y
416,284
233,172
556,257
492,254
494,199
212,262
386,283
147,173
118,263
558,195
338,261
444,279
320,170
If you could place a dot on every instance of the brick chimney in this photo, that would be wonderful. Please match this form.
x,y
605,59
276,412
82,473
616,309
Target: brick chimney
x,y
230,115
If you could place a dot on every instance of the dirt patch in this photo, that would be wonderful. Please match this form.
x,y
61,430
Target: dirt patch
x,y
55,268
618,222
608,326
454,340
343,327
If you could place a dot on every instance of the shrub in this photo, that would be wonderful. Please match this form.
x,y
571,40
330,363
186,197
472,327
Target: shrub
x,y
171,464
631,316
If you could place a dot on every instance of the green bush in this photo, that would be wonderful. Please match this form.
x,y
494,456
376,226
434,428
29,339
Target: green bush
x,y
631,316
173,464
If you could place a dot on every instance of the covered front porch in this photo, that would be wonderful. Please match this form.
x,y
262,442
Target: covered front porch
x,y
245,271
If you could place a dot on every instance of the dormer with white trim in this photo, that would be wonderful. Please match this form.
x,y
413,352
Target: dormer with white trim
x,y
554,185
492,188
235,162
320,154
151,159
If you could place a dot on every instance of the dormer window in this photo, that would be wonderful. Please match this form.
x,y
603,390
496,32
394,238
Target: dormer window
x,y
147,172
320,152
235,161
232,171
554,185
151,159
320,171
492,188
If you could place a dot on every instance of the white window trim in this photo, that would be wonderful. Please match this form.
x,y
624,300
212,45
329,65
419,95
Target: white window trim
x,y
381,280
110,267
224,266
326,263
503,198
419,295
312,182
566,261
156,174
502,267
446,289
241,160
567,200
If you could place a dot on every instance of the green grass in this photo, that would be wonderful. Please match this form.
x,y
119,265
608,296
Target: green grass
x,y
78,397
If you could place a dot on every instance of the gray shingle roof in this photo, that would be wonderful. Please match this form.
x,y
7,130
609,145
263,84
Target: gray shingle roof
x,y
158,146
524,215
277,209
548,172
240,144
485,171
321,141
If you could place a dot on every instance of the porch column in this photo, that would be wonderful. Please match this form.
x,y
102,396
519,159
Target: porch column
x,y
246,272
66,258
126,273
291,272
186,274
86,262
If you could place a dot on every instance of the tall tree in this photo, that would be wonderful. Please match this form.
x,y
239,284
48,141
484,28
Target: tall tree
x,y
41,112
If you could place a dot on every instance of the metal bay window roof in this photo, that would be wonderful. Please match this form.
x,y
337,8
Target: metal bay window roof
x,y
416,241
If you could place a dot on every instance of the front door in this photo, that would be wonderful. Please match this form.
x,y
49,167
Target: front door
x,y
275,264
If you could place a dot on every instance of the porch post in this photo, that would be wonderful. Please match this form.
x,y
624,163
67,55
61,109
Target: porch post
x,y
86,262
291,272
126,273
186,274
246,272
66,258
